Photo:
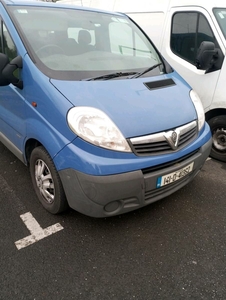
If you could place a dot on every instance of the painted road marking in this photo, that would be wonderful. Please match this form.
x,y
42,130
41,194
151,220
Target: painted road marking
x,y
37,232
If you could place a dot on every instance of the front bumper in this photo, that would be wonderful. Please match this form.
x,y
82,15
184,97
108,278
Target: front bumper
x,y
104,196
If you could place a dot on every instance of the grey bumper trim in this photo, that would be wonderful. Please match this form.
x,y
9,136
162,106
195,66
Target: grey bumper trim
x,y
103,196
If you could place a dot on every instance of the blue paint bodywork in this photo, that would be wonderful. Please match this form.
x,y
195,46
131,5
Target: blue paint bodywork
x,y
38,113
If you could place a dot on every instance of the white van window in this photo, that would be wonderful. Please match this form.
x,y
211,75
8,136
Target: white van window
x,y
189,30
220,14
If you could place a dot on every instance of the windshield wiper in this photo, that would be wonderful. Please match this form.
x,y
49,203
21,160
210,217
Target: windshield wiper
x,y
110,76
146,70
120,74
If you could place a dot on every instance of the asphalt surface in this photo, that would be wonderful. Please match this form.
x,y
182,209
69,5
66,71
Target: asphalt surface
x,y
172,249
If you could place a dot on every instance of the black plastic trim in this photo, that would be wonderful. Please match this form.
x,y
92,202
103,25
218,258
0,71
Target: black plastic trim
x,y
159,84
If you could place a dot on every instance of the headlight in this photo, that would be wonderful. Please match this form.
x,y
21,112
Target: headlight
x,y
199,108
96,127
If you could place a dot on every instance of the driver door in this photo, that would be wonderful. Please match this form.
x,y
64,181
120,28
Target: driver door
x,y
12,104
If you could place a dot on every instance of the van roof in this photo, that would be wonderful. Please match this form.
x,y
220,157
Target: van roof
x,y
53,4
201,3
27,2
147,5
20,2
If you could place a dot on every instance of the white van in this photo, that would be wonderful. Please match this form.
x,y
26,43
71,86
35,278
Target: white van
x,y
191,36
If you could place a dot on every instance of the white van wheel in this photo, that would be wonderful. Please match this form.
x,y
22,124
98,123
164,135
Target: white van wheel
x,y
218,129
46,181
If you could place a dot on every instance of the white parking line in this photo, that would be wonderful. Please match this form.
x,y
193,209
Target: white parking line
x,y
37,232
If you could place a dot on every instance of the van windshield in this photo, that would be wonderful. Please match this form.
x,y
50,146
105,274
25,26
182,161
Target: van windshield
x,y
220,14
74,44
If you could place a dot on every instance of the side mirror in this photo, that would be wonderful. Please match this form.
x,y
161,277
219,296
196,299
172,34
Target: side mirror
x,y
206,56
7,69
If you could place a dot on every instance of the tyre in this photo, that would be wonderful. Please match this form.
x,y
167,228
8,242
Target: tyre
x,y
46,181
218,129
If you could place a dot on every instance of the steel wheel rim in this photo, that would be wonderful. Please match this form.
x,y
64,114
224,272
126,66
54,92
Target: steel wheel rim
x,y
219,139
44,181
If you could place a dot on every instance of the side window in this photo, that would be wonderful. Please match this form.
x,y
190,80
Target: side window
x,y
7,45
189,30
205,33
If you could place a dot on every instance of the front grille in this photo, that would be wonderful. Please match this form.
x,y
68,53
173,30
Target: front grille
x,y
163,142
168,164
187,136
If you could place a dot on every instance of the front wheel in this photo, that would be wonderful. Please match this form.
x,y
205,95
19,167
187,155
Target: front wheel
x,y
218,128
46,181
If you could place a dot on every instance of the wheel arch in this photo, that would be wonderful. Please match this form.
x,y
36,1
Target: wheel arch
x,y
45,178
43,134
215,112
217,123
30,145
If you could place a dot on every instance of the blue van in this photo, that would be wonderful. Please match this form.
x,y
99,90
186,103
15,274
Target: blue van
x,y
104,123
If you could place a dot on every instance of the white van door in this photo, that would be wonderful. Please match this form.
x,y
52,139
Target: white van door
x,y
185,29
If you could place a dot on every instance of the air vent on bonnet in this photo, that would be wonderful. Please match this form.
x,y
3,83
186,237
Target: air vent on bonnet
x,y
159,84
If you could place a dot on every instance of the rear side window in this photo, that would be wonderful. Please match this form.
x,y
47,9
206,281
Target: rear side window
x,y
189,30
